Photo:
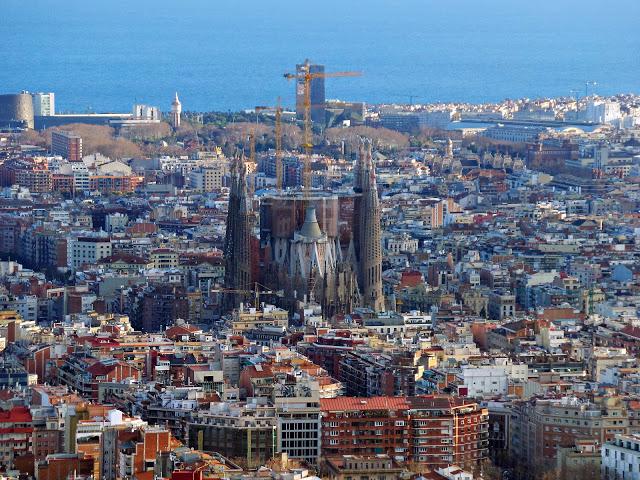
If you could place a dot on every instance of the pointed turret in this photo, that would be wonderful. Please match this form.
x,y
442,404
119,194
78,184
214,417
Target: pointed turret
x,y
237,245
369,238
176,111
357,171
310,228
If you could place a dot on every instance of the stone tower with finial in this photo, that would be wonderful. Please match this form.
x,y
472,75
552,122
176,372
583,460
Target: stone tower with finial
x,y
368,235
176,111
237,243
449,150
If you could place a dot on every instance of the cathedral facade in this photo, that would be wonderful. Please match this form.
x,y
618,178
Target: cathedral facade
x,y
326,246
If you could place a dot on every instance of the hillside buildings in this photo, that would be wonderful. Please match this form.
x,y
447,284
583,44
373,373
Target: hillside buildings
x,y
458,306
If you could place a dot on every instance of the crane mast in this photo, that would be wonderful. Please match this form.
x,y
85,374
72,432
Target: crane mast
x,y
278,140
252,161
278,135
307,76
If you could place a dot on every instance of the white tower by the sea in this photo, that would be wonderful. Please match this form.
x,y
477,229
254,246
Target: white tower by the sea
x,y
176,110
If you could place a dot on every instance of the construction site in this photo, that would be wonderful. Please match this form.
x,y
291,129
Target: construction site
x,y
317,246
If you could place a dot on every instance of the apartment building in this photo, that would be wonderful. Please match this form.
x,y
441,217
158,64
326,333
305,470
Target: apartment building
x,y
87,251
621,458
67,145
297,405
209,178
248,430
539,427
432,430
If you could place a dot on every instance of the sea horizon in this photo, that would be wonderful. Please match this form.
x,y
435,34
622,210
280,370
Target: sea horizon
x,y
227,56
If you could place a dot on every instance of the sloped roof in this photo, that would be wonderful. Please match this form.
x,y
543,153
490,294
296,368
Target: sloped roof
x,y
15,415
342,404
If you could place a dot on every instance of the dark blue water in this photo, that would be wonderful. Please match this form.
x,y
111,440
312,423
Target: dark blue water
x,y
105,54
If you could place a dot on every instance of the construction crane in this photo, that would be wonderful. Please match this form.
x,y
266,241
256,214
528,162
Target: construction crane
x,y
587,84
306,76
252,146
278,138
278,134
251,138
257,290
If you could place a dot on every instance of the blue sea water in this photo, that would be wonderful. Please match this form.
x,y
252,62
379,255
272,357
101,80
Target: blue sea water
x,y
104,55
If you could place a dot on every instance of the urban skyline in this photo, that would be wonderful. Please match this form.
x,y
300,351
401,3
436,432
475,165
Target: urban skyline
x,y
331,241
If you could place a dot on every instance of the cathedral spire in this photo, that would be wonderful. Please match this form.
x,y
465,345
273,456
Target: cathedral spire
x,y
358,169
370,248
237,244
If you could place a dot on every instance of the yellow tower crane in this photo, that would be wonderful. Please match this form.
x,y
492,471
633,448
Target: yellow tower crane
x,y
278,133
306,76
278,138
252,160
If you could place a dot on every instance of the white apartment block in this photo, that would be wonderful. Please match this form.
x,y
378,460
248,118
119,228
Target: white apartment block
x,y
492,380
44,104
207,179
621,458
87,251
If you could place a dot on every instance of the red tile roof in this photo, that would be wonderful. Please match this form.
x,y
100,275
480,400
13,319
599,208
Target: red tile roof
x,y
440,402
180,330
263,371
631,331
343,404
100,368
15,415
411,278
633,405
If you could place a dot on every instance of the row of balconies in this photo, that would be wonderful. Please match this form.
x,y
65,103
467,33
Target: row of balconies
x,y
372,432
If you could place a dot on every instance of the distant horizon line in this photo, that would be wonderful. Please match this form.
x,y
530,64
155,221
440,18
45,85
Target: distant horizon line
x,y
376,104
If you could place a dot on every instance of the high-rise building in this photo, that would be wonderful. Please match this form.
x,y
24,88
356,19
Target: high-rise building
x,y
67,145
317,92
37,180
368,241
602,112
176,111
126,452
146,112
16,435
16,110
237,243
44,104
